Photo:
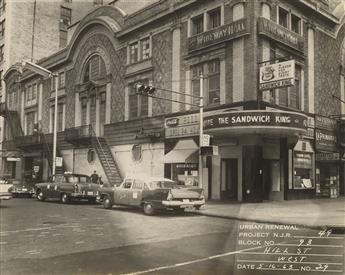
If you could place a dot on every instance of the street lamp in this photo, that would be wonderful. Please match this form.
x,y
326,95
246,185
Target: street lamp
x,y
46,73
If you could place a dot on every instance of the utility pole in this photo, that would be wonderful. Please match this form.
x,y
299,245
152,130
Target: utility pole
x,y
201,126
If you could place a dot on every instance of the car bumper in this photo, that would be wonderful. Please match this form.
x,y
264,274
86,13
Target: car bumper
x,y
183,204
83,196
21,192
5,196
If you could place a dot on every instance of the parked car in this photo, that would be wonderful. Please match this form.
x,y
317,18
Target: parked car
x,y
151,194
67,187
5,184
21,189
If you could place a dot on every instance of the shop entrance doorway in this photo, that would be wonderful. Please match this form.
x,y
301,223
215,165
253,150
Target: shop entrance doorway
x,y
229,179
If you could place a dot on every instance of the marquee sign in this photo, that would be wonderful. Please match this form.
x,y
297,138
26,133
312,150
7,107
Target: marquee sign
x,y
277,75
223,33
262,119
187,125
279,33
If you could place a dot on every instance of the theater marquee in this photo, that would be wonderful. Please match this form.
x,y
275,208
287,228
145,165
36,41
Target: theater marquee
x,y
257,121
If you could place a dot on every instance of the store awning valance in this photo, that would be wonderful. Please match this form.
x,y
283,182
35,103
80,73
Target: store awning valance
x,y
185,151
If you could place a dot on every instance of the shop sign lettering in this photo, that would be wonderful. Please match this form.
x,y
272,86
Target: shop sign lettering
x,y
185,120
327,156
277,75
325,140
187,165
223,33
326,123
256,118
281,34
183,131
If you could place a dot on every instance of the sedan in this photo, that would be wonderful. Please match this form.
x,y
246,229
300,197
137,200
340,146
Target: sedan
x,y
21,189
151,194
67,187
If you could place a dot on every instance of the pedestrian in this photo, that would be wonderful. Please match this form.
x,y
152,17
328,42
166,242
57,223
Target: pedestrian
x,y
94,177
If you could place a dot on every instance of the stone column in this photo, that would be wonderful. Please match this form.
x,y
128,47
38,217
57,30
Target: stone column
x,y
77,115
107,103
311,68
176,66
238,58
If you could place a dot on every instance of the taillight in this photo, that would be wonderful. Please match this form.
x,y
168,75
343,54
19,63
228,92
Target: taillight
x,y
170,197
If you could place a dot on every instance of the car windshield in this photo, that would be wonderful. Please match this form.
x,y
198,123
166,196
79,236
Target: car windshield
x,y
162,184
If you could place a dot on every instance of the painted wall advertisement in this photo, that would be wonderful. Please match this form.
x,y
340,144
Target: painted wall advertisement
x,y
223,33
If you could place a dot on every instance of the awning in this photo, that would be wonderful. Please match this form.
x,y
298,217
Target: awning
x,y
185,151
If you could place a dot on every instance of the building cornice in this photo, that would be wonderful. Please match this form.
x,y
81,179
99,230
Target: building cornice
x,y
320,11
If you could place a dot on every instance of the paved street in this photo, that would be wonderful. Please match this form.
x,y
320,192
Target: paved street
x,y
82,238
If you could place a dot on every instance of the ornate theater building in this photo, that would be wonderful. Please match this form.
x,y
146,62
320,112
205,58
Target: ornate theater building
x,y
272,80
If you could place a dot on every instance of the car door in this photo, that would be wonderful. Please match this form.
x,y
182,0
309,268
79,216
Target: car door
x,y
122,193
135,194
54,188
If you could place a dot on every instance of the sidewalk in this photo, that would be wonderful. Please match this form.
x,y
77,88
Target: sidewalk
x,y
315,213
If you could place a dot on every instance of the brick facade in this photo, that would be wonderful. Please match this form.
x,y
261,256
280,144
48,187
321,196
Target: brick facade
x,y
109,34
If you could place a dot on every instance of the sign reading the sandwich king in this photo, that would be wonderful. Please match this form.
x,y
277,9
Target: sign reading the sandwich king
x,y
277,75
261,119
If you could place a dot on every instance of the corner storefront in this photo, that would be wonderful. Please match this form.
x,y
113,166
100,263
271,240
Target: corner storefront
x,y
253,162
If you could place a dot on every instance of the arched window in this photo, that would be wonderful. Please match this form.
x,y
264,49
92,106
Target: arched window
x,y
94,69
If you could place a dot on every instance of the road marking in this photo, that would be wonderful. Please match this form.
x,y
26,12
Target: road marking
x,y
6,233
32,252
80,242
1,243
26,230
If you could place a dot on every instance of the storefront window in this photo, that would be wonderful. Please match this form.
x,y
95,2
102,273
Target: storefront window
x,y
185,173
303,170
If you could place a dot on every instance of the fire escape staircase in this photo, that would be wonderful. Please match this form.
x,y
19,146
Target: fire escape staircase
x,y
87,136
31,141
13,120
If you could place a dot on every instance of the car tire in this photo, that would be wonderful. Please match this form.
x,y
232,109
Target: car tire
x,y
149,209
40,195
64,198
179,210
107,204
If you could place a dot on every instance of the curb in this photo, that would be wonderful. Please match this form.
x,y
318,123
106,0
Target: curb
x,y
335,228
